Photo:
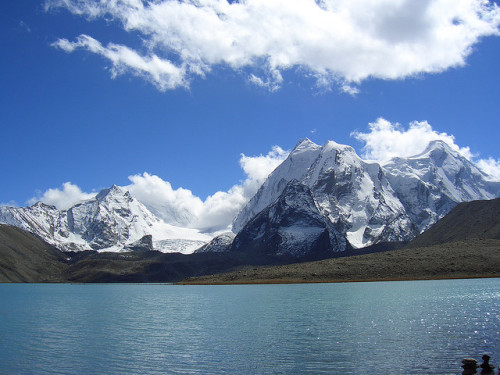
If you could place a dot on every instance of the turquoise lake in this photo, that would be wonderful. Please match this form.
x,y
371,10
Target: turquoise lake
x,y
414,327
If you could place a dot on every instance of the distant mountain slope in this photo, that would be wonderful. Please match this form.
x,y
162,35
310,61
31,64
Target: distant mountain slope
x,y
468,220
219,244
320,200
26,258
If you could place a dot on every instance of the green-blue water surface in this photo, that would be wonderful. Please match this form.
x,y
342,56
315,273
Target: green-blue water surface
x,y
413,327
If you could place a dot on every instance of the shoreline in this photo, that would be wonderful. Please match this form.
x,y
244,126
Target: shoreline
x,y
328,281
468,259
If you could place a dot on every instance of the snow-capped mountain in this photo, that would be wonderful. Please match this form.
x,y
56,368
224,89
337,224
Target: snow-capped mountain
x,y
295,166
111,221
365,202
430,184
319,200
353,195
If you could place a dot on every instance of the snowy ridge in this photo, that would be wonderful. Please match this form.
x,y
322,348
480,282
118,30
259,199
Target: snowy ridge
x,y
294,167
356,196
430,184
112,221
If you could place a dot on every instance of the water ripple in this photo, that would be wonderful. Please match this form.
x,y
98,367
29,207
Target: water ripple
x,y
423,327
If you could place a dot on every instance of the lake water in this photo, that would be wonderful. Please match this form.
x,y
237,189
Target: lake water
x,y
415,327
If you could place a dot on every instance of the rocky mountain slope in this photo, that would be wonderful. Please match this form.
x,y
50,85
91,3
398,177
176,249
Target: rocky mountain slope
x,y
28,259
352,195
476,220
219,244
293,225
472,250
24,257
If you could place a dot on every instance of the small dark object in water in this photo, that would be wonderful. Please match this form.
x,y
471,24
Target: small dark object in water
x,y
486,367
469,365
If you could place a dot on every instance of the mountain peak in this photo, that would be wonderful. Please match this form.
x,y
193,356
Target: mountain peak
x,y
437,143
303,145
435,148
332,145
111,192
304,140
40,204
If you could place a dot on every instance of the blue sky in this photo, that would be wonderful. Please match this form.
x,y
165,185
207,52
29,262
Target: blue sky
x,y
70,113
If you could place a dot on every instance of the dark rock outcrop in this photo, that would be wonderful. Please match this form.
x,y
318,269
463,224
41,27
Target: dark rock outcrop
x,y
291,226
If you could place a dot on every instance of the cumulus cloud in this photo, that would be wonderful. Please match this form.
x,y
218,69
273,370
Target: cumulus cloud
x,y
257,168
162,73
174,206
8,204
64,198
336,41
181,207
385,140
491,167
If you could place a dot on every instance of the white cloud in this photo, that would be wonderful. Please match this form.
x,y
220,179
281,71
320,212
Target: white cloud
x,y
385,140
491,167
216,212
174,206
64,198
271,82
162,73
8,204
180,206
348,89
336,41
257,168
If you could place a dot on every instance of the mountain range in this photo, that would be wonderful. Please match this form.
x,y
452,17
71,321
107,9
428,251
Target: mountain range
x,y
465,243
111,221
319,201
326,199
